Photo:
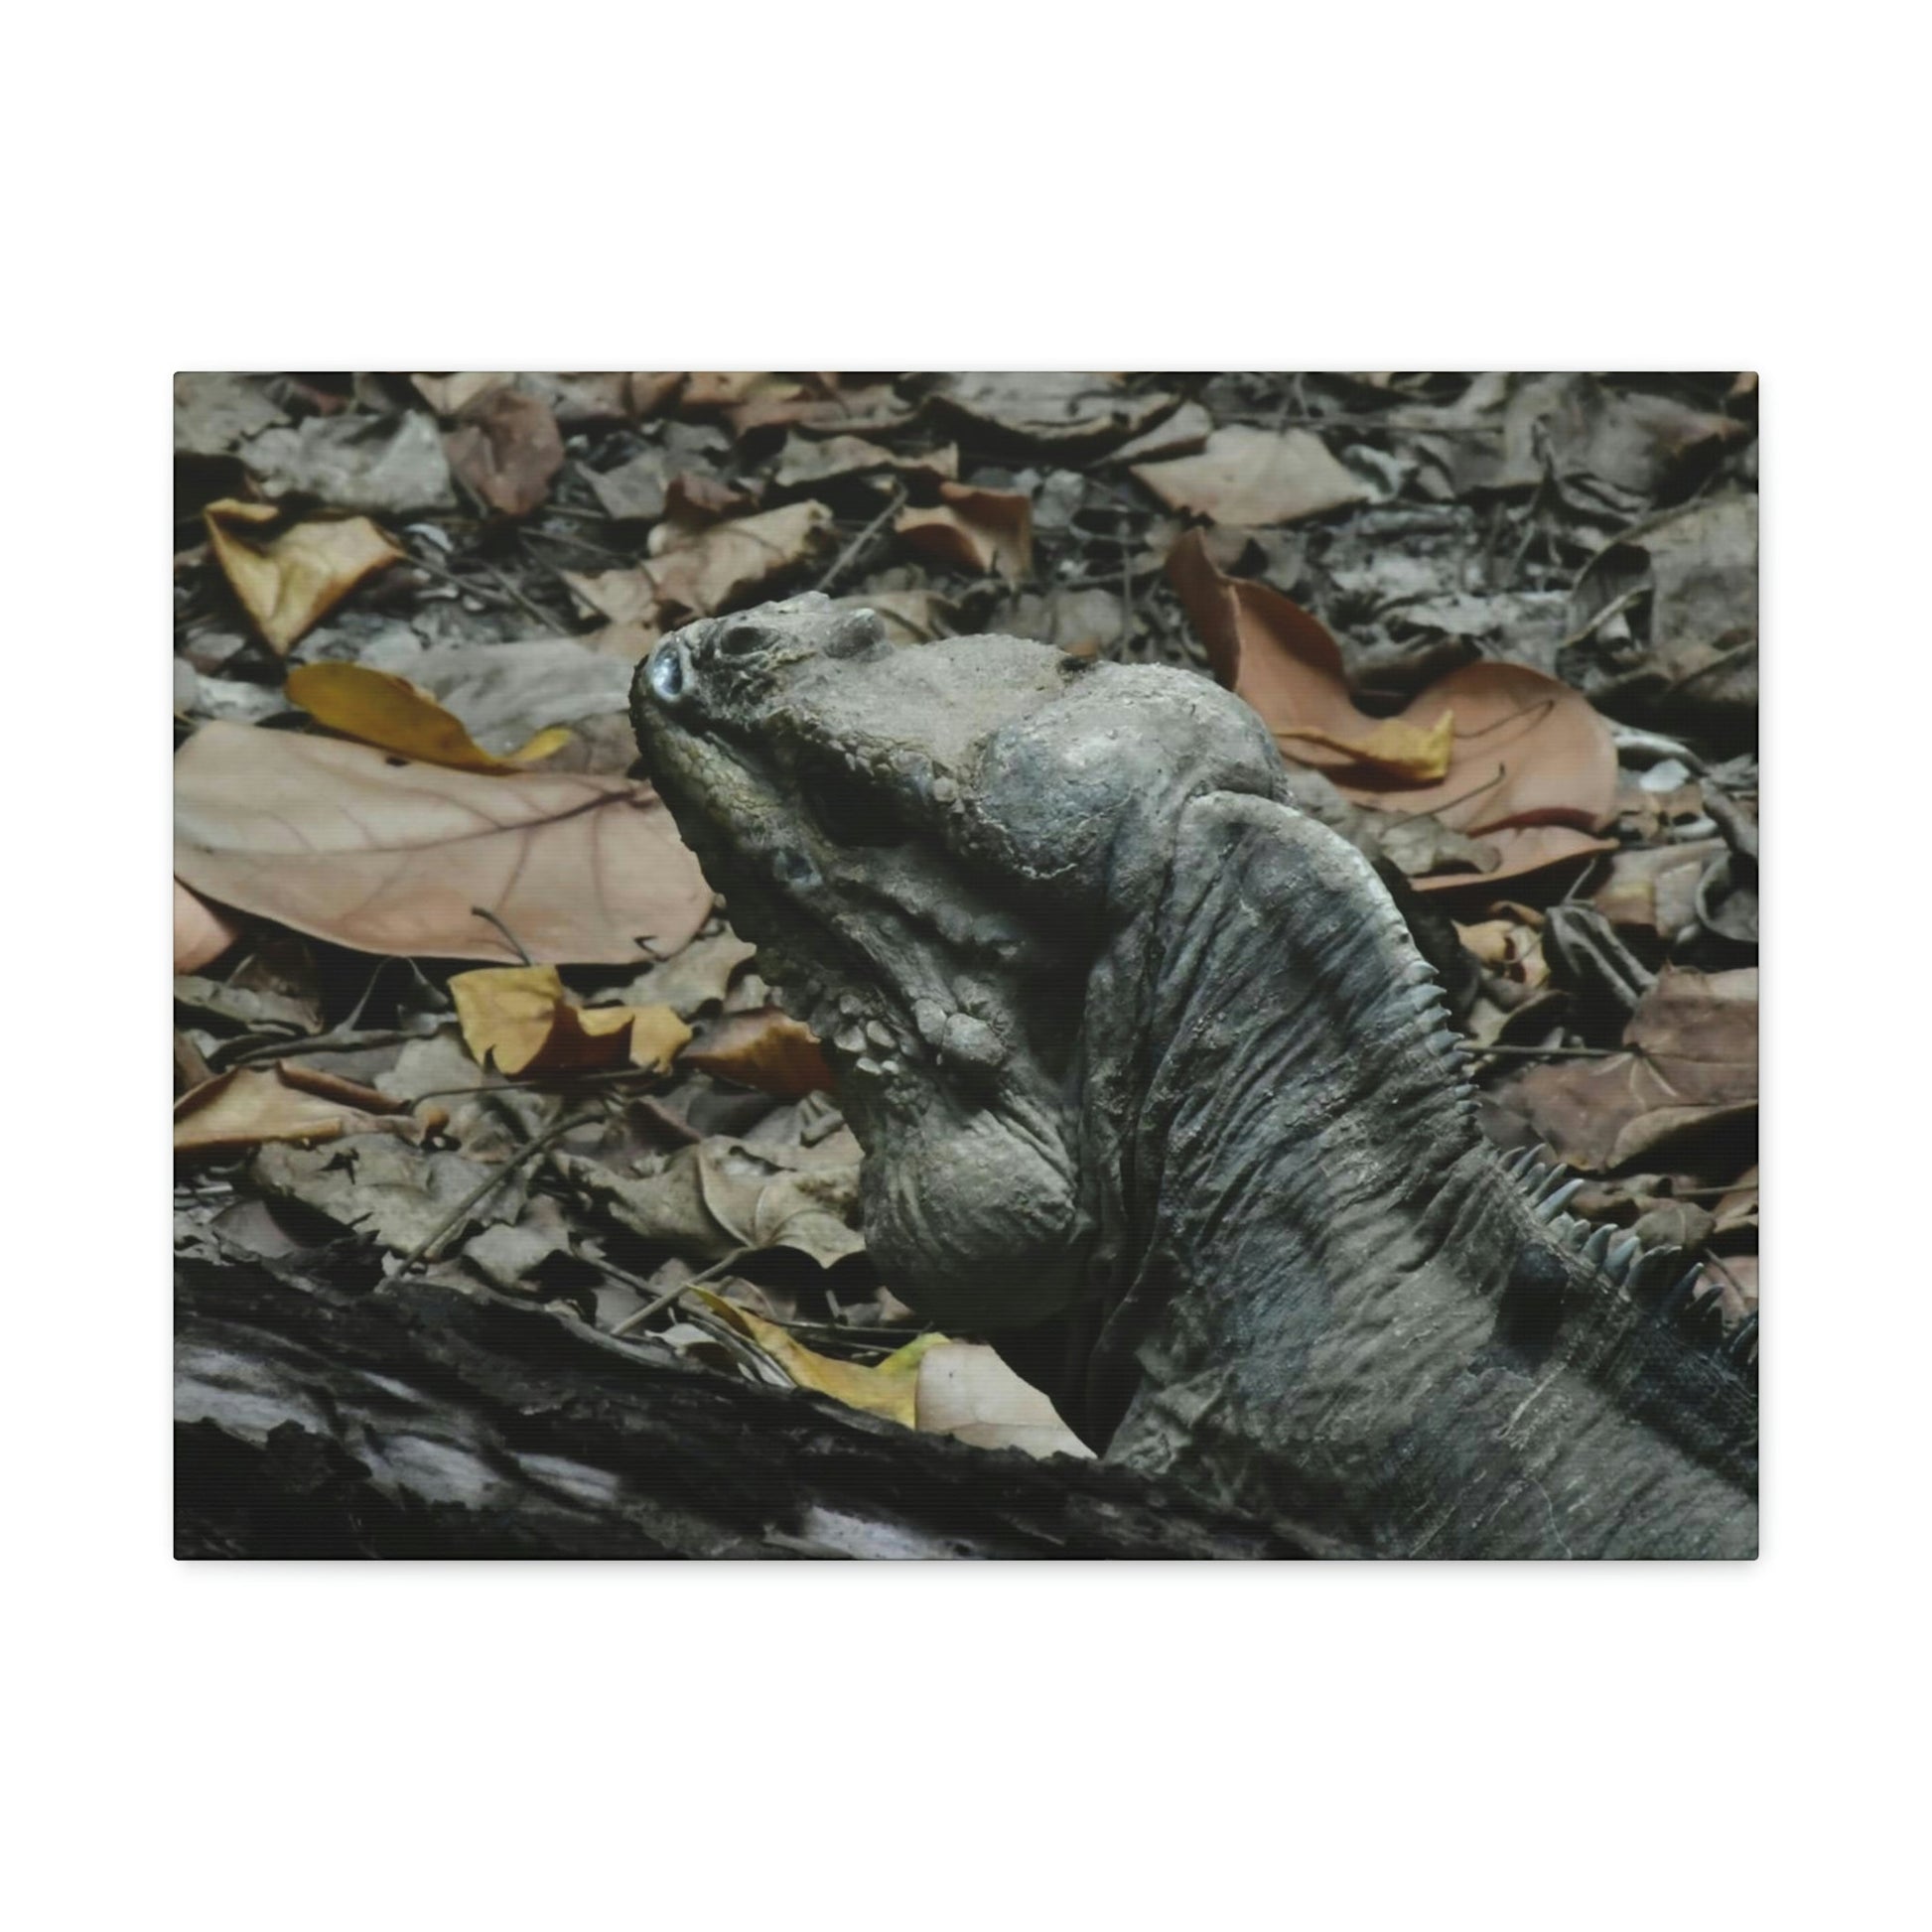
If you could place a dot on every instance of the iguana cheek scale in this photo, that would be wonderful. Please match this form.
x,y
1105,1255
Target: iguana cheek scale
x,y
1158,1093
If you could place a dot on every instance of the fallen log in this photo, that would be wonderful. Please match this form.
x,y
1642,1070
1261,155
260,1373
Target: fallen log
x,y
417,1419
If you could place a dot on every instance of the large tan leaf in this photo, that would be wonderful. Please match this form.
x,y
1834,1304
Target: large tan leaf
x,y
391,855
1530,767
288,579
201,932
1250,476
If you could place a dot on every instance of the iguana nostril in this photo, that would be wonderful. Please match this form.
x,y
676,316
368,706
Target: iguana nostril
x,y
666,672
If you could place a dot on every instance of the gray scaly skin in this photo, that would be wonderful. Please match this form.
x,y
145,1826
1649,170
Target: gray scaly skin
x,y
1158,1094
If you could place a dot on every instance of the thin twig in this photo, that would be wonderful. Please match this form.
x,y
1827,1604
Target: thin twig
x,y
537,611
337,1041
852,550
1616,607
528,1152
652,1310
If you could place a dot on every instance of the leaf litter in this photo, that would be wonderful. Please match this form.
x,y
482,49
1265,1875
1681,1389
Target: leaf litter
x,y
1504,630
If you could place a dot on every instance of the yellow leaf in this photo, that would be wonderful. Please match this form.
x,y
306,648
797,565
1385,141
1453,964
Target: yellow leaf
x,y
384,709
888,1388
522,1017
657,1035
290,579
1394,745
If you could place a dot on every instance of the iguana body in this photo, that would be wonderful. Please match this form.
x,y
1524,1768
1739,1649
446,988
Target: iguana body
x,y
1158,1093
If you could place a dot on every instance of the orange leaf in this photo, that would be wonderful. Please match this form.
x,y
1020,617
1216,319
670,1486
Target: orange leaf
x,y
1531,767
766,1050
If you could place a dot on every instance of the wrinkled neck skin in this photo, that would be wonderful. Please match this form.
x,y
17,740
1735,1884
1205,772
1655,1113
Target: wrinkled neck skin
x,y
1329,1299
1158,1095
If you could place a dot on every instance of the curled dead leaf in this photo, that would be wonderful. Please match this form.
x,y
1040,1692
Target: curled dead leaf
x,y
506,447
1694,1074
976,529
523,1019
766,1050
698,571
289,576
392,855
1532,768
251,1106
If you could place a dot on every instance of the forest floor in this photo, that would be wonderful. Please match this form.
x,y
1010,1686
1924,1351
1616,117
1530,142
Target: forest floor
x,y
1503,627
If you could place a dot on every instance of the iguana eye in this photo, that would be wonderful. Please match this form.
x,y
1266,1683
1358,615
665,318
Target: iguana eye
x,y
742,639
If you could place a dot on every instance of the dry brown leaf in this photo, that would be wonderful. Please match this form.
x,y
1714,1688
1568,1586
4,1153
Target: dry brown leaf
x,y
523,1019
506,447
648,391
1634,443
1063,411
709,390
696,501
867,409
386,710
450,395
966,1390
812,460
1655,887
621,597
697,573
1255,477
249,1106
766,1050
201,932
289,578
1697,1075
1533,770
391,855
977,529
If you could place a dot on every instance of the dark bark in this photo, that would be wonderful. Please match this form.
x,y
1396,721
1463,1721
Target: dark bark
x,y
314,1420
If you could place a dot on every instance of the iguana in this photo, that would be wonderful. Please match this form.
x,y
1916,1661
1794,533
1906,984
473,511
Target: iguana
x,y
1158,1095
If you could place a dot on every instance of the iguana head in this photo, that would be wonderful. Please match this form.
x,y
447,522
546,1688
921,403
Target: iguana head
x,y
932,847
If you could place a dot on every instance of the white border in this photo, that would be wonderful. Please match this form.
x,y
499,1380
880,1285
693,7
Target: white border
x,y
1663,187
